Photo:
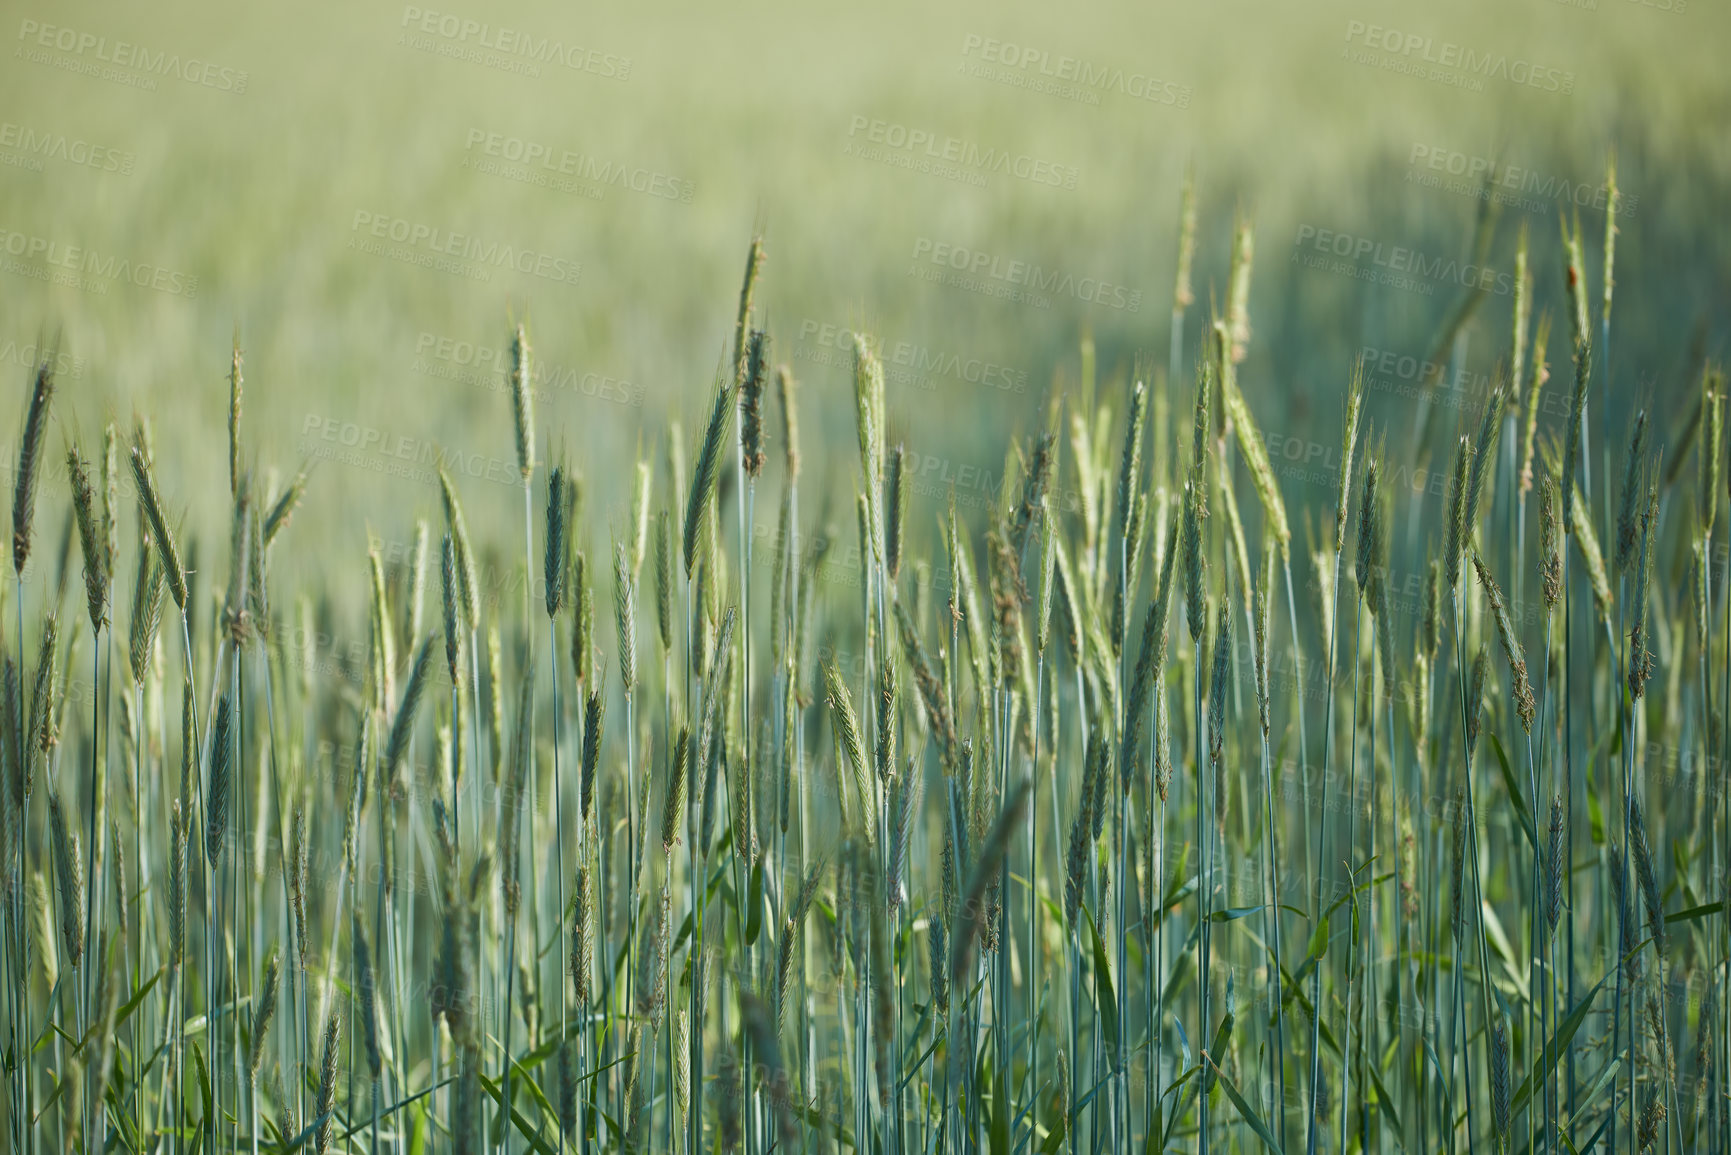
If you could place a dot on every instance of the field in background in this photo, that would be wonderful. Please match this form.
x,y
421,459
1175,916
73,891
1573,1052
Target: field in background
x,y
264,203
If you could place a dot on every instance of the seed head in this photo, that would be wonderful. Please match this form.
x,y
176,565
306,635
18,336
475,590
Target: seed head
x,y
69,878
282,512
236,616
789,419
366,988
216,797
1620,893
30,461
517,790
1640,658
258,613
568,1090
1652,1119
1254,447
752,387
522,399
1580,524
161,535
146,612
553,568
582,621
1647,876
1457,524
742,326
1195,597
1348,446
664,580
110,498
1081,839
1500,1075
403,725
708,471
234,391
853,744
908,793
592,719
297,865
117,855
468,585
96,573
931,689
1525,707
263,1012
43,731
1629,510
673,810
1550,544
1162,746
1151,657
625,616
897,505
1476,698
868,387
1369,532
1218,691
1530,418
449,602
937,956
1238,288
1129,463
582,932
1201,426
889,692
324,1105
790,932
1484,456
177,887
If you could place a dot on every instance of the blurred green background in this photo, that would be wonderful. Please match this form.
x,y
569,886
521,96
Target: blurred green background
x,y
266,156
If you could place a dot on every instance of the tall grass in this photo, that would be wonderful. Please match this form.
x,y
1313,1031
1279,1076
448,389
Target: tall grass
x,y
923,879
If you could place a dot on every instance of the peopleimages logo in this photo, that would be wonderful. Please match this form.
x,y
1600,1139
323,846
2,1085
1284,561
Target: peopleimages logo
x,y
1070,77
88,52
533,160
908,362
430,245
488,366
1509,183
397,455
1400,263
484,43
30,355
1451,62
36,146
932,146
85,268
995,275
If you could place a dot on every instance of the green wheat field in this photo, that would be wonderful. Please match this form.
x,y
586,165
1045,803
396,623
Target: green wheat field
x,y
979,580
